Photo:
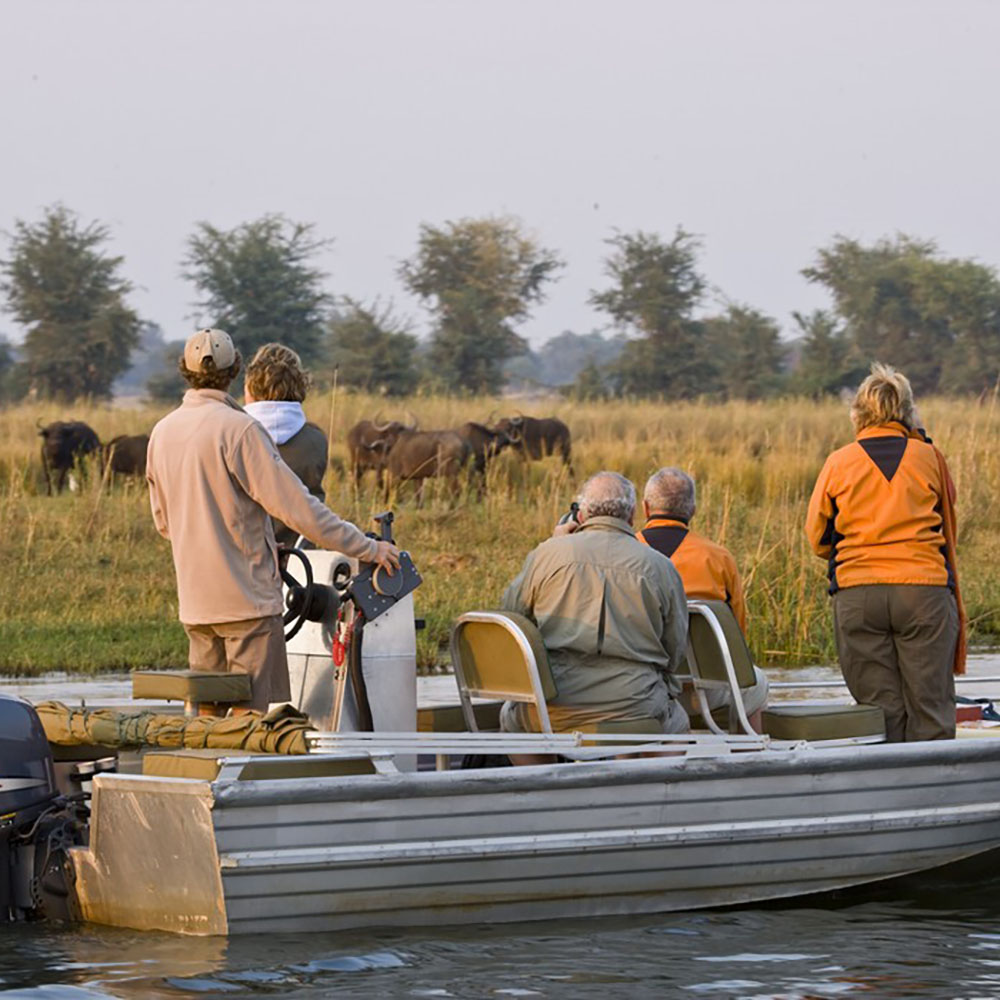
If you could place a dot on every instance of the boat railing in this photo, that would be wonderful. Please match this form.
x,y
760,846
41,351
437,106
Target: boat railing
x,y
573,746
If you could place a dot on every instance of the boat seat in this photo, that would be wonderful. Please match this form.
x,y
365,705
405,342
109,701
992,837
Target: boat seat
x,y
791,721
500,654
205,764
193,687
718,656
626,727
450,718
81,751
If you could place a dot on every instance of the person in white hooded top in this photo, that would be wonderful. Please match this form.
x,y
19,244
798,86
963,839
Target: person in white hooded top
x,y
276,386
216,480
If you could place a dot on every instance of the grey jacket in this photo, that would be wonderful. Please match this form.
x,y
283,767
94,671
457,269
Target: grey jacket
x,y
214,477
613,617
306,455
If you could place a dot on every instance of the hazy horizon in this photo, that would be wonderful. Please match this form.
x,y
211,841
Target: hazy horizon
x,y
764,127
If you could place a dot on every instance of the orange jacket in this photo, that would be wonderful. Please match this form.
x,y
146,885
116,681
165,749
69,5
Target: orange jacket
x,y
876,511
707,570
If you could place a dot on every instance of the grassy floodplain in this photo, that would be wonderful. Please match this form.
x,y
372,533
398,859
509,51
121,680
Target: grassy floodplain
x,y
87,585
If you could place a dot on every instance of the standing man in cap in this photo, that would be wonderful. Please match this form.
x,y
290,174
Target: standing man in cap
x,y
214,478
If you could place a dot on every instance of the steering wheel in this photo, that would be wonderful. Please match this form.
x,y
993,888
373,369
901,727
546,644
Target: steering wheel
x,y
297,599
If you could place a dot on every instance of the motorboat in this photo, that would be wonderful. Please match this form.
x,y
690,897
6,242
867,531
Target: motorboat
x,y
390,820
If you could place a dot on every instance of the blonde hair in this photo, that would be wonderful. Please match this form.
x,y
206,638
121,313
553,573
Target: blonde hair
x,y
886,395
275,372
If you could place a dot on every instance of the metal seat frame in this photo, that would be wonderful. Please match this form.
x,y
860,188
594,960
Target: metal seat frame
x,y
737,710
466,692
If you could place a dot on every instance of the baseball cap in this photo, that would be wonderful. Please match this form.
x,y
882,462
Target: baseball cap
x,y
210,343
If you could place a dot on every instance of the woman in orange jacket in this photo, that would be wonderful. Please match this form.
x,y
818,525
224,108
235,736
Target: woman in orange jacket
x,y
882,513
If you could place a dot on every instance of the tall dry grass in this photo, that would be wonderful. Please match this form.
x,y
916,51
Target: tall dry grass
x,y
87,584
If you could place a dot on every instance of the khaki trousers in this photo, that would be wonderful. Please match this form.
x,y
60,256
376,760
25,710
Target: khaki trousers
x,y
896,644
255,647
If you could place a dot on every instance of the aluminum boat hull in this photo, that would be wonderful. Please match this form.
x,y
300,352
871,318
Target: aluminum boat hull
x,y
514,844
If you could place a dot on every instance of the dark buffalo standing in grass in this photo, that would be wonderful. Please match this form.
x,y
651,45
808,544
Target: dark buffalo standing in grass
x,y
421,455
369,443
537,437
484,443
65,445
126,455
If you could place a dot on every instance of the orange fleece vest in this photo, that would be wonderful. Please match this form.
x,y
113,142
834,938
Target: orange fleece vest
x,y
706,569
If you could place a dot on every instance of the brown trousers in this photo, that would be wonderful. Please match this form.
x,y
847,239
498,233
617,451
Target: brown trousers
x,y
255,647
896,644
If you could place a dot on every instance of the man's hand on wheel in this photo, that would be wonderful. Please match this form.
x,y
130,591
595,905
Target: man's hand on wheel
x,y
386,556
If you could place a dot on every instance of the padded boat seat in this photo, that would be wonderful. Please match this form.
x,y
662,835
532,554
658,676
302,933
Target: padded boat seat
x,y
822,722
205,765
190,686
449,718
633,726
81,751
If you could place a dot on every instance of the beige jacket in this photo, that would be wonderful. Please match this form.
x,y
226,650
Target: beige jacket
x,y
613,617
214,477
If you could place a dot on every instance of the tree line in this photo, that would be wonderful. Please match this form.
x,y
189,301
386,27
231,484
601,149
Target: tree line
x,y
898,299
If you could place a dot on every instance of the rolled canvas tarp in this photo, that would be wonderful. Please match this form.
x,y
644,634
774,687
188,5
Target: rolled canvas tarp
x,y
282,730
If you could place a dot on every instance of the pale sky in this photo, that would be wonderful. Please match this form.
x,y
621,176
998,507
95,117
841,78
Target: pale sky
x,y
765,126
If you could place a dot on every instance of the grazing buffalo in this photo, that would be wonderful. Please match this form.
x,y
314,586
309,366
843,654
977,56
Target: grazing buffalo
x,y
65,444
369,443
421,455
537,437
484,443
126,454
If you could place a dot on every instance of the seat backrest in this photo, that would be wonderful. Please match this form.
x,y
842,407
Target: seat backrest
x,y
500,654
704,643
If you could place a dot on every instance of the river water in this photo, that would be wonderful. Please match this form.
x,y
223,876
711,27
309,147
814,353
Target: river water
x,y
928,936
932,937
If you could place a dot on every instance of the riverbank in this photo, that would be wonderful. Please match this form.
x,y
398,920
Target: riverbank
x,y
87,586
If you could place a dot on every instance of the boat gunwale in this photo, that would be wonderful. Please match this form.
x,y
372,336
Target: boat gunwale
x,y
290,791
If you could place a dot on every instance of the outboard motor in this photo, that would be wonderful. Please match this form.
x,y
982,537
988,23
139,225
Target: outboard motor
x,y
37,824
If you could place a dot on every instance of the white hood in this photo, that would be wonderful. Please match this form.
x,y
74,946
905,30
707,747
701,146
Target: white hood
x,y
281,419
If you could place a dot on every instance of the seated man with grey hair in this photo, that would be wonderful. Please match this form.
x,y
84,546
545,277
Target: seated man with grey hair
x,y
612,615
707,570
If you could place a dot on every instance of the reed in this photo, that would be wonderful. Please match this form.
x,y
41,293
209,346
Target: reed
x,y
87,584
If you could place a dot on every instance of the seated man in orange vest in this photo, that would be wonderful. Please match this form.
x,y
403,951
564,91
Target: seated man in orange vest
x,y
707,570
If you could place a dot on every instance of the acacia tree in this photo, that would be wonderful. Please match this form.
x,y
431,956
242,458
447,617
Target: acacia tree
x,y
68,292
747,346
259,283
478,277
827,360
654,292
938,319
373,349
8,389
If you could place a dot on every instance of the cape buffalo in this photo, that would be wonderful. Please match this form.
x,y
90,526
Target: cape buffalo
x,y
126,454
65,443
369,443
484,443
422,455
537,437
